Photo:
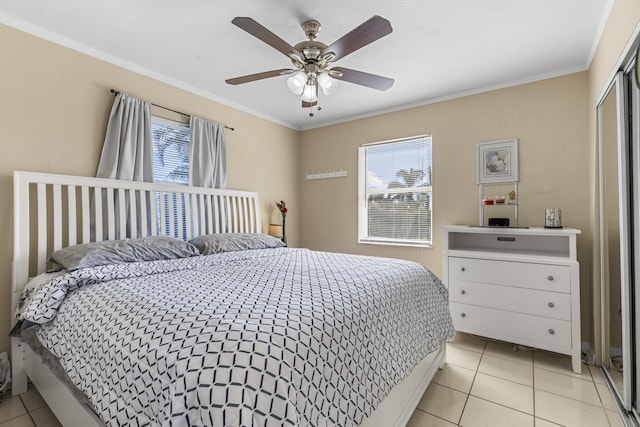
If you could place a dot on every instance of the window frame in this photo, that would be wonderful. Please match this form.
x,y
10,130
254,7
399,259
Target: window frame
x,y
363,196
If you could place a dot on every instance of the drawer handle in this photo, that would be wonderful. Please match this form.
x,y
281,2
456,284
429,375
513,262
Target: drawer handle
x,y
550,278
463,315
551,331
506,239
463,292
551,305
462,269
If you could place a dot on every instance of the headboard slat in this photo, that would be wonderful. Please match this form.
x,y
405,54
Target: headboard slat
x,y
171,217
72,237
85,214
180,220
153,209
133,213
111,214
42,227
234,213
122,215
189,218
212,210
224,212
97,216
57,217
144,214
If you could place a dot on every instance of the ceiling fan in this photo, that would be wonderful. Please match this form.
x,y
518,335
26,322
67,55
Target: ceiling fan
x,y
313,60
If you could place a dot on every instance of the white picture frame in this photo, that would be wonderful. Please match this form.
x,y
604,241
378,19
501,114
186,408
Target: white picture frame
x,y
498,161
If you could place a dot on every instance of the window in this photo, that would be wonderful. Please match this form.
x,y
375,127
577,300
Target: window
x,y
170,151
394,186
170,165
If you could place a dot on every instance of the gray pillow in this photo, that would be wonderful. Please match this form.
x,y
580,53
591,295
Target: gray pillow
x,y
230,242
150,248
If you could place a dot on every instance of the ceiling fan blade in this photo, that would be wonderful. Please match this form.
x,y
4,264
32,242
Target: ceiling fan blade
x,y
259,31
368,32
361,78
259,76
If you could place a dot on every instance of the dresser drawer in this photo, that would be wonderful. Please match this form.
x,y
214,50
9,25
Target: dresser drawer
x,y
520,300
556,278
534,331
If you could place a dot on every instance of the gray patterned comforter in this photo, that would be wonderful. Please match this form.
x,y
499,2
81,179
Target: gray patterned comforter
x,y
254,338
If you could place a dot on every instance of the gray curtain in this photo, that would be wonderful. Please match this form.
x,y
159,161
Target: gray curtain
x,y
208,154
127,152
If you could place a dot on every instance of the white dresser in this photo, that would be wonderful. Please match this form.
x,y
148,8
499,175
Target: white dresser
x,y
519,285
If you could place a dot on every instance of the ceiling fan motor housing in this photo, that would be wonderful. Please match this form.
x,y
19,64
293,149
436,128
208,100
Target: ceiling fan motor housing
x,y
311,28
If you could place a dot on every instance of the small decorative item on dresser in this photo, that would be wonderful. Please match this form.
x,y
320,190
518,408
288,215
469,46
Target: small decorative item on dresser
x,y
552,218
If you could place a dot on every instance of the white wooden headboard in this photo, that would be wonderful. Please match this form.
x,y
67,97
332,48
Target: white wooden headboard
x,y
55,211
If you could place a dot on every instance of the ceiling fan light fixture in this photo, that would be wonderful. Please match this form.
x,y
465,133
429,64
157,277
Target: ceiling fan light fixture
x,y
310,93
327,84
297,82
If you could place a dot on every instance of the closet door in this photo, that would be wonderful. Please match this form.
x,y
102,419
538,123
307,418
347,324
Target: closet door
x,y
633,84
614,239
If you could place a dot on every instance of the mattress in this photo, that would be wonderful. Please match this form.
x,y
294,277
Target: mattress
x,y
266,337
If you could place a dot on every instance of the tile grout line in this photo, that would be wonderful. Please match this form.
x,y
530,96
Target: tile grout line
x,y
437,416
504,379
533,384
576,400
417,409
28,411
498,356
504,406
475,374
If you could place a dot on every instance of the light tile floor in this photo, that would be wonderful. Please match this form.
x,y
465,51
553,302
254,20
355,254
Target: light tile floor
x,y
484,383
494,384
26,410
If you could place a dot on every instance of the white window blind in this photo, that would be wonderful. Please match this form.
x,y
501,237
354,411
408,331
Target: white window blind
x,y
170,151
395,187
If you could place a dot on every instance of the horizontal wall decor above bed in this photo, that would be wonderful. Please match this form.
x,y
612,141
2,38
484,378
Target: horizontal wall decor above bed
x,y
325,175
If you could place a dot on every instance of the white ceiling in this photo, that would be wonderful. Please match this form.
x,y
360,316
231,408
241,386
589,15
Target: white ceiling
x,y
439,49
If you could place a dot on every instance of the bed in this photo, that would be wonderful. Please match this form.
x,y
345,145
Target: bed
x,y
267,335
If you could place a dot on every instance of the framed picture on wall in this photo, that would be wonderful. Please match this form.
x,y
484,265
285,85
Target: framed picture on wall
x,y
498,161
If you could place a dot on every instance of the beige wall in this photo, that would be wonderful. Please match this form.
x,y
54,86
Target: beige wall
x,y
54,106
549,118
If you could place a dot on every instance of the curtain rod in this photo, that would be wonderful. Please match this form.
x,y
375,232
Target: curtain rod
x,y
115,92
